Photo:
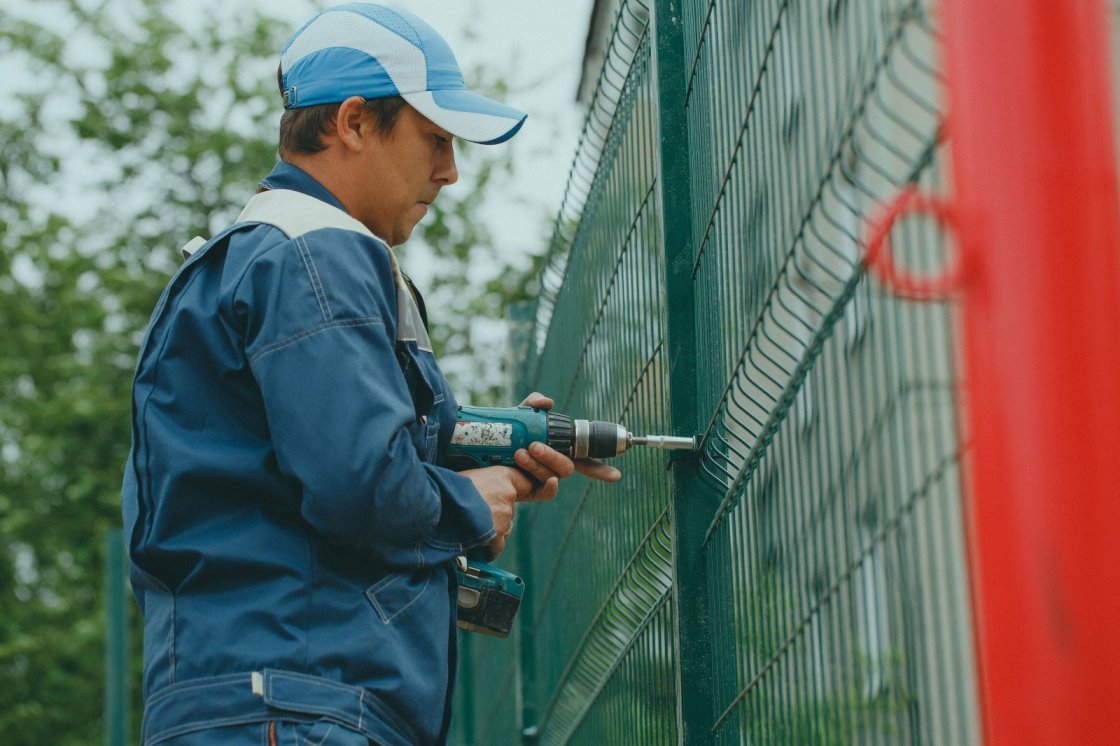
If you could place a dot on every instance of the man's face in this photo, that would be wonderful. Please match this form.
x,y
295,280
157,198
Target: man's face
x,y
404,171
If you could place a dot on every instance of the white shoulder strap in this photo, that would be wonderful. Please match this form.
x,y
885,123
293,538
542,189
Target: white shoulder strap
x,y
295,214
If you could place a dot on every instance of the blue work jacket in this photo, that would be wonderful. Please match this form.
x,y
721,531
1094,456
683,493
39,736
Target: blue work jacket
x,y
291,535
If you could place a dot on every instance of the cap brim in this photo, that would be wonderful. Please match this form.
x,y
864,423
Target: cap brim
x,y
468,115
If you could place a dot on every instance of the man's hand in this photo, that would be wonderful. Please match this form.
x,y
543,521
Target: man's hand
x,y
548,466
501,487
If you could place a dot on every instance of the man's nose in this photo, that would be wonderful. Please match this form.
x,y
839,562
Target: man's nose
x,y
446,172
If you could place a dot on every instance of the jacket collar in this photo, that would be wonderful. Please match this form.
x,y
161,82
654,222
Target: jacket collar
x,y
286,176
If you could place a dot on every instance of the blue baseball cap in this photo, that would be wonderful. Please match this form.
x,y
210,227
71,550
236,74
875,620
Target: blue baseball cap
x,y
372,51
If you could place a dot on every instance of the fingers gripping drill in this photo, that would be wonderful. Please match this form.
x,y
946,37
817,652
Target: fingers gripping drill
x,y
487,436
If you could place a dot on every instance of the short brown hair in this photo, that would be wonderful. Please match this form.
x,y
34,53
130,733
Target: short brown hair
x,y
301,130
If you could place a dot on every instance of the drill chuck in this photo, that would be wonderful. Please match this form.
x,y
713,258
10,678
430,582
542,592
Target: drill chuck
x,y
586,438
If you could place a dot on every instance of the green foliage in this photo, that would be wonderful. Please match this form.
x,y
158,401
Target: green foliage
x,y
109,161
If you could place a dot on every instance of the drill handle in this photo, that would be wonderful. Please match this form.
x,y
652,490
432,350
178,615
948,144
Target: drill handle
x,y
489,436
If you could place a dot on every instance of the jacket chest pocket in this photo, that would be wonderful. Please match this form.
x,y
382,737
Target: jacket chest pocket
x,y
427,396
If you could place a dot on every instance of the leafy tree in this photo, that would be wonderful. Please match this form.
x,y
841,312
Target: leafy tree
x,y
124,133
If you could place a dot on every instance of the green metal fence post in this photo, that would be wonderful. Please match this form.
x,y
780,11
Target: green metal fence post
x,y
117,693
693,505
520,318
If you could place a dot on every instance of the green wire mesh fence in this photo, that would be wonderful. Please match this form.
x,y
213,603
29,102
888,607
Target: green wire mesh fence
x,y
831,560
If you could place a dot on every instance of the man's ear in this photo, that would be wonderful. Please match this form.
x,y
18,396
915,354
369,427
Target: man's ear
x,y
351,123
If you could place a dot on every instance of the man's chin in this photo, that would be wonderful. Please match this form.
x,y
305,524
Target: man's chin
x,y
398,238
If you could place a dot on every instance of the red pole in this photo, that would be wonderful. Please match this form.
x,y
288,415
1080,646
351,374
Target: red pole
x,y
1039,226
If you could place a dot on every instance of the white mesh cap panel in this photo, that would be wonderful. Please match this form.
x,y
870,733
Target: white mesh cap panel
x,y
402,60
468,125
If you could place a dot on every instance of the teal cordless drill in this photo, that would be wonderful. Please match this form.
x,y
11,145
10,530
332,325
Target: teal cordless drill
x,y
489,436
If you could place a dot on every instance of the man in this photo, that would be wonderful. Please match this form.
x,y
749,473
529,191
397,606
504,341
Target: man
x,y
292,536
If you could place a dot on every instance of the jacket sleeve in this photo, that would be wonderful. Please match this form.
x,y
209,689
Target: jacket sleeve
x,y
319,316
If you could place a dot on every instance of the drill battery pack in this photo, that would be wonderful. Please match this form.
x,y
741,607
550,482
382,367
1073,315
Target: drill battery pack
x,y
489,598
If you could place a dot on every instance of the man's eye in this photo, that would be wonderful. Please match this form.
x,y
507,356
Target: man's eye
x,y
441,140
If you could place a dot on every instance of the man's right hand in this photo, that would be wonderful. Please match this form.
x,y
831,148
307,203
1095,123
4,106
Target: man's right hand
x,y
501,487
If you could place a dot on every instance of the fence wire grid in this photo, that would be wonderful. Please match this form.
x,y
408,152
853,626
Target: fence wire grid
x,y
802,578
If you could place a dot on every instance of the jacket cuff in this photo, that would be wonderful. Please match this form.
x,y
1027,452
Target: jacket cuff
x,y
465,519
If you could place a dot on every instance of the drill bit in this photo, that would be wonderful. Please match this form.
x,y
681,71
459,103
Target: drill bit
x,y
664,442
